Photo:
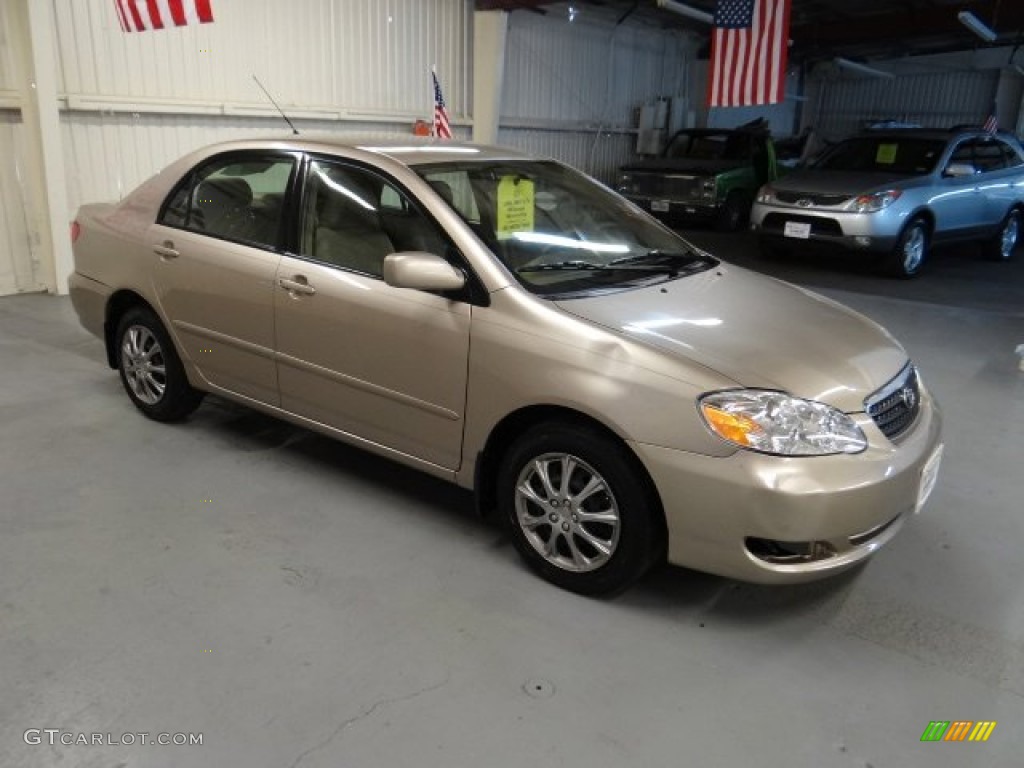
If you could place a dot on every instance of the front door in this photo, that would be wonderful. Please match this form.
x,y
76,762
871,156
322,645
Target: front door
x,y
387,365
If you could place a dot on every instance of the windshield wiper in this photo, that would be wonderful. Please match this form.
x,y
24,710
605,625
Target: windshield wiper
x,y
658,256
587,266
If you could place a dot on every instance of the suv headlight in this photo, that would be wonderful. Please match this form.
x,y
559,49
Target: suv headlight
x,y
707,188
766,194
777,423
876,201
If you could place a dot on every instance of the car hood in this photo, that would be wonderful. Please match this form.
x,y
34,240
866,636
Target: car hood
x,y
756,331
835,182
683,165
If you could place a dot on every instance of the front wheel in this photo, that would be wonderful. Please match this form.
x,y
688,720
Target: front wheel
x,y
911,250
579,509
1001,247
150,369
733,213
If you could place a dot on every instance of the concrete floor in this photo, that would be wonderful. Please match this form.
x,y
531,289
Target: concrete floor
x,y
299,603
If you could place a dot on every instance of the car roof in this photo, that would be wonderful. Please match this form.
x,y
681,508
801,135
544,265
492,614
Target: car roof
x,y
410,150
936,134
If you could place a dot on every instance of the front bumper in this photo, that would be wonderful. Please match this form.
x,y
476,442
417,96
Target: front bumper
x,y
662,207
724,513
875,232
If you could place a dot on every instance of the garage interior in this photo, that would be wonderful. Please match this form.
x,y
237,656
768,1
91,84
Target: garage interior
x,y
301,603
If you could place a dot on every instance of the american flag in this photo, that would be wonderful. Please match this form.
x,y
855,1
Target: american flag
x,y
749,47
140,15
441,127
991,123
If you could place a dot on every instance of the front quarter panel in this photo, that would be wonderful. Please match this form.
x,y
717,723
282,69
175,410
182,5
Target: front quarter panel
x,y
526,352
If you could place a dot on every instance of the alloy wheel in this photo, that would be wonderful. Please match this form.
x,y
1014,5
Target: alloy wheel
x,y
567,512
142,360
913,250
1008,240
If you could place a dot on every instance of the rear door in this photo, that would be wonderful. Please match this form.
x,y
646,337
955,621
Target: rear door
x,y
216,246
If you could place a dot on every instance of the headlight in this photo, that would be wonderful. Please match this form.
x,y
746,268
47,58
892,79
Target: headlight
x,y
875,201
766,194
625,183
707,188
774,422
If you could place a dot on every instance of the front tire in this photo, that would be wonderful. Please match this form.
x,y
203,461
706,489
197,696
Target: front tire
x,y
151,371
733,214
578,508
911,251
1001,247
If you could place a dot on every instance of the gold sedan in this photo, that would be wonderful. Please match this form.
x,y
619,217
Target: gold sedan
x,y
508,324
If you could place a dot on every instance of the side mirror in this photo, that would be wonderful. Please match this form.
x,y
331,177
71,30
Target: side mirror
x,y
959,170
421,272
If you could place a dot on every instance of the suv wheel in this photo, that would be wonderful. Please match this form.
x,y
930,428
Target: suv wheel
x,y
911,250
1001,247
150,369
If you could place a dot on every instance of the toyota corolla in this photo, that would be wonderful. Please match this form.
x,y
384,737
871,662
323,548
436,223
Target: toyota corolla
x,y
616,394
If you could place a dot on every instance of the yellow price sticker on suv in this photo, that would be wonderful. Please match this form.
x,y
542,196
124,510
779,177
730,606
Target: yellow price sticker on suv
x,y
886,154
515,206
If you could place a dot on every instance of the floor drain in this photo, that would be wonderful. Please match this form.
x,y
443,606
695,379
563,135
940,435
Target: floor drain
x,y
539,689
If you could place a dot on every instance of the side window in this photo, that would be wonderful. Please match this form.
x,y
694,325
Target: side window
x,y
354,218
1010,155
963,154
988,156
237,198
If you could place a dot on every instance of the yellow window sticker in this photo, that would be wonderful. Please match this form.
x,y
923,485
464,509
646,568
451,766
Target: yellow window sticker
x,y
886,154
515,206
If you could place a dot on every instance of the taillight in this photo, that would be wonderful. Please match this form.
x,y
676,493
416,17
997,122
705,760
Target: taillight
x,y
76,230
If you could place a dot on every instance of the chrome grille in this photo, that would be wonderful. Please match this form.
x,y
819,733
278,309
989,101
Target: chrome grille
x,y
795,197
895,406
661,185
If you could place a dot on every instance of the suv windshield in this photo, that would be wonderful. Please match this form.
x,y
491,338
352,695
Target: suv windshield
x,y
558,231
884,154
703,145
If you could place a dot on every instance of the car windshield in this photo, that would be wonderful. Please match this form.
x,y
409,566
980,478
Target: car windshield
x,y
703,145
883,154
559,232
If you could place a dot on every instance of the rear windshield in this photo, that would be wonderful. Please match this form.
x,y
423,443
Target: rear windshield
x,y
727,145
885,154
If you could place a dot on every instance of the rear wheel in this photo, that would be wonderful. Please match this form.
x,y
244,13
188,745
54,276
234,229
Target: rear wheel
x,y
911,250
578,508
1001,247
151,372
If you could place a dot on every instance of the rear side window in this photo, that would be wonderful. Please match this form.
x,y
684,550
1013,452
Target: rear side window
x,y
239,198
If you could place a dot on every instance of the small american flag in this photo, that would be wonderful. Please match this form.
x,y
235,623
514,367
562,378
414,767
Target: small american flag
x,y
442,129
991,123
140,15
749,48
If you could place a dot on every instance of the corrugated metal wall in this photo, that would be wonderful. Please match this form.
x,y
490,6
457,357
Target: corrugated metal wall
x,y
566,80
137,101
840,105
18,271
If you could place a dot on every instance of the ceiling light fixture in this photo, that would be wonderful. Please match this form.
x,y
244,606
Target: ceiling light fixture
x,y
862,69
977,26
685,10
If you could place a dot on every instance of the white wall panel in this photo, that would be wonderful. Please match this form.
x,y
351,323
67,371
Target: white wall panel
x,y
18,270
108,155
372,55
839,105
566,81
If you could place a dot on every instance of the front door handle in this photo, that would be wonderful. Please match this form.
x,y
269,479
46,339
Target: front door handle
x,y
300,285
165,250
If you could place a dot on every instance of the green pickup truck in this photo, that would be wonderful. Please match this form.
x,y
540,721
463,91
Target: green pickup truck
x,y
704,174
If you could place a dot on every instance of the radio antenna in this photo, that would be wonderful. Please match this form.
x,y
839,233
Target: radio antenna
x,y
265,91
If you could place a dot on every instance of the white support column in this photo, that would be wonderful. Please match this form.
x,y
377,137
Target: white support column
x,y
489,32
46,154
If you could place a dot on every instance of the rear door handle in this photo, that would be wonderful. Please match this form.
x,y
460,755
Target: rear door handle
x,y
297,286
165,250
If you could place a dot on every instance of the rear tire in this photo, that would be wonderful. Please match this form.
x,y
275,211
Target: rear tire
x,y
1001,247
151,371
911,251
579,508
